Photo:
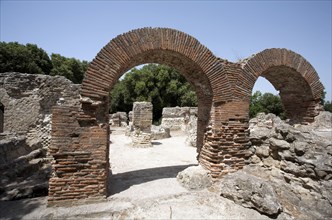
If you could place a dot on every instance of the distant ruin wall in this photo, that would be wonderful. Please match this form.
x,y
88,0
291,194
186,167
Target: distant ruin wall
x,y
29,98
182,118
118,119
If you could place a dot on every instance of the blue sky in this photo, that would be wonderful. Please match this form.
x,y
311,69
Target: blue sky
x,y
230,29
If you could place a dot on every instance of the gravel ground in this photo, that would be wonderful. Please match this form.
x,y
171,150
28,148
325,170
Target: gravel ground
x,y
143,185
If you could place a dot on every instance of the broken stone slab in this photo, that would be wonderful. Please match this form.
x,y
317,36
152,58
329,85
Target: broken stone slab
x,y
251,192
279,144
194,178
159,132
141,140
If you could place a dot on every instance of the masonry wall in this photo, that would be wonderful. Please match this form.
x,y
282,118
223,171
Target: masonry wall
x,y
80,135
80,152
29,98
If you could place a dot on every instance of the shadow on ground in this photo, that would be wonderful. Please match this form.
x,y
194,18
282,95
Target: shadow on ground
x,y
122,181
20,208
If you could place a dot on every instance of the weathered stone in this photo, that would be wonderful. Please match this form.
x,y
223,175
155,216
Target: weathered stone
x,y
194,178
263,151
28,101
300,148
118,119
279,144
251,192
142,116
159,132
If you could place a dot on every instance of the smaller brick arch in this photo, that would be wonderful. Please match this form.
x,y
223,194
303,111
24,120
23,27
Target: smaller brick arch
x,y
292,75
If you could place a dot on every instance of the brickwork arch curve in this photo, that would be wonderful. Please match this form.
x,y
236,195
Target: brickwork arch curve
x,y
155,45
292,75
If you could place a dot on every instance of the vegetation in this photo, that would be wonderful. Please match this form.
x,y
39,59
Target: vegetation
x,y
267,103
161,85
326,104
70,68
29,58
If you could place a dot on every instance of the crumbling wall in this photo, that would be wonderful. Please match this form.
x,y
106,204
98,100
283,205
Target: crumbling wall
x,y
142,122
28,100
182,118
118,119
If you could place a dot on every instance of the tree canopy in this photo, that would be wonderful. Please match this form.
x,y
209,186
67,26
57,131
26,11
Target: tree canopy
x,y
29,58
161,85
267,103
24,58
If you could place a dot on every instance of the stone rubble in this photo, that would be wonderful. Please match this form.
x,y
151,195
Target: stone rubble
x,y
290,171
181,118
118,119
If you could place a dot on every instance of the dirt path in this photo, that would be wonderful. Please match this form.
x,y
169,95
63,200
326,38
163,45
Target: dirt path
x,y
142,185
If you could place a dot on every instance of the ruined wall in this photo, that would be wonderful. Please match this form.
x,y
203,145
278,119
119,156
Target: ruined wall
x,y
142,123
28,101
223,90
118,119
80,152
29,98
182,118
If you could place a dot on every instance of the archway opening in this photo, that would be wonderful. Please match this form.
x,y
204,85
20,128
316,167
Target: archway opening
x,y
163,86
265,98
86,127
294,91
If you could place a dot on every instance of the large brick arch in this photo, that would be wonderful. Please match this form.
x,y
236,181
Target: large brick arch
x,y
154,45
292,75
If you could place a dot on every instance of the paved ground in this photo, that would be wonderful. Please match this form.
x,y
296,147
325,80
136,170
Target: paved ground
x,y
143,185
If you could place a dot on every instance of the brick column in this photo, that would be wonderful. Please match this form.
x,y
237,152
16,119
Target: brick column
x,y
80,150
226,142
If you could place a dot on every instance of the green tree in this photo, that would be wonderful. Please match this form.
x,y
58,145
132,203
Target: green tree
x,y
15,57
267,103
159,84
328,106
70,68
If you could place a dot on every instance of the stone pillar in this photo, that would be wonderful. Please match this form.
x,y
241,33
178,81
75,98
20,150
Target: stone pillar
x,y
142,122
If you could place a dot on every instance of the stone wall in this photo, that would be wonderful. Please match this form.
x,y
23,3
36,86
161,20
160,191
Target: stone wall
x,y
24,144
29,98
118,119
181,118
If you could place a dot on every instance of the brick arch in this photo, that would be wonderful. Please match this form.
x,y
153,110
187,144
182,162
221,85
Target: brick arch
x,y
292,75
156,45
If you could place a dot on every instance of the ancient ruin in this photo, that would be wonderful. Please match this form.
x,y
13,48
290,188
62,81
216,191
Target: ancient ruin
x,y
80,133
25,142
79,143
